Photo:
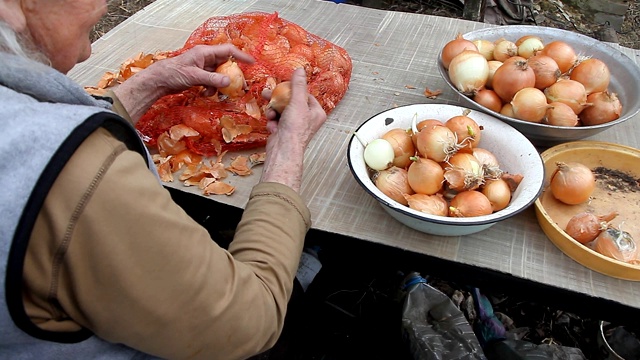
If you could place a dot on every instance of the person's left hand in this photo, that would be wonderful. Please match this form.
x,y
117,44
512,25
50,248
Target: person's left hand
x,y
195,67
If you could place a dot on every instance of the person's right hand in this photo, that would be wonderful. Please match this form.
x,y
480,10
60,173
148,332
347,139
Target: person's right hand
x,y
291,133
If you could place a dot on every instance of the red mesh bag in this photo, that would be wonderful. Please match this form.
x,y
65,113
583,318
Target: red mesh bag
x,y
279,46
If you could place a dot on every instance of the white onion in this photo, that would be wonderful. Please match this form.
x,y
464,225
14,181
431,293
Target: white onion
x,y
379,154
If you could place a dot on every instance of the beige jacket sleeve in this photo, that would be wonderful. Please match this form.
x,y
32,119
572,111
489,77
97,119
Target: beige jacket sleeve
x,y
122,259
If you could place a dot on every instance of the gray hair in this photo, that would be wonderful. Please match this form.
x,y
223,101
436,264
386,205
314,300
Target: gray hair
x,y
20,45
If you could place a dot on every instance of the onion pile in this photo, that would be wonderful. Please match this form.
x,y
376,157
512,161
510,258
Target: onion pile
x,y
447,174
492,73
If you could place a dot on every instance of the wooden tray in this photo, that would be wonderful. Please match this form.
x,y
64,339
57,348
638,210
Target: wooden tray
x,y
612,193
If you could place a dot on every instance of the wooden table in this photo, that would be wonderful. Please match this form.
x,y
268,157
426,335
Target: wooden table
x,y
390,50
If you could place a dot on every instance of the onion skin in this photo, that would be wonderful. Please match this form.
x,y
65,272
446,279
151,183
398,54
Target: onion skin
x,y
572,183
470,203
394,183
513,76
428,204
616,244
425,176
585,227
403,146
469,71
603,108
455,47
593,74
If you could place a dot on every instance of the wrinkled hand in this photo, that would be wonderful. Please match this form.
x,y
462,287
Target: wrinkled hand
x,y
195,67
291,133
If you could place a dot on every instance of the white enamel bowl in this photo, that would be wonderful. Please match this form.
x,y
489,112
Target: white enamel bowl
x,y
515,153
625,81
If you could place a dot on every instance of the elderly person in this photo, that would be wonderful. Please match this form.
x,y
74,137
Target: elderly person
x,y
97,261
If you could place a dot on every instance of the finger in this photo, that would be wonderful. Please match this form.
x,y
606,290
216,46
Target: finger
x,y
299,86
215,55
266,93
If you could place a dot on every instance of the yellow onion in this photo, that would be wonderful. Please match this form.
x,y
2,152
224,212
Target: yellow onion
x,y
403,147
489,99
469,204
584,227
466,129
498,192
429,204
280,96
569,92
455,47
464,172
513,76
572,182
603,107
468,72
493,66
529,104
393,182
425,176
593,74
507,110
529,47
563,54
616,244
546,70
236,88
560,114
417,126
489,163
504,49
437,143
485,47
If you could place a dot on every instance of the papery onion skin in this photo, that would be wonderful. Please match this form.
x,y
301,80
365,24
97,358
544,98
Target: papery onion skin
x,y
403,146
584,227
469,203
563,54
468,72
572,183
425,176
394,182
593,74
560,114
455,47
529,104
489,99
513,76
546,70
428,204
616,244
603,108
569,92
498,193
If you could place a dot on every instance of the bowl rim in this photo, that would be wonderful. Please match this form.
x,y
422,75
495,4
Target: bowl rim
x,y
443,220
445,76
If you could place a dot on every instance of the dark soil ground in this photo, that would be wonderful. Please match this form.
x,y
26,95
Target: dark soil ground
x,y
353,308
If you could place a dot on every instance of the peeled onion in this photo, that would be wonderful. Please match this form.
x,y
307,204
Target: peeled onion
x,y
603,107
393,182
455,47
280,96
425,176
584,227
593,74
572,183
429,204
469,71
379,154
235,89
529,104
514,75
470,203
563,54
